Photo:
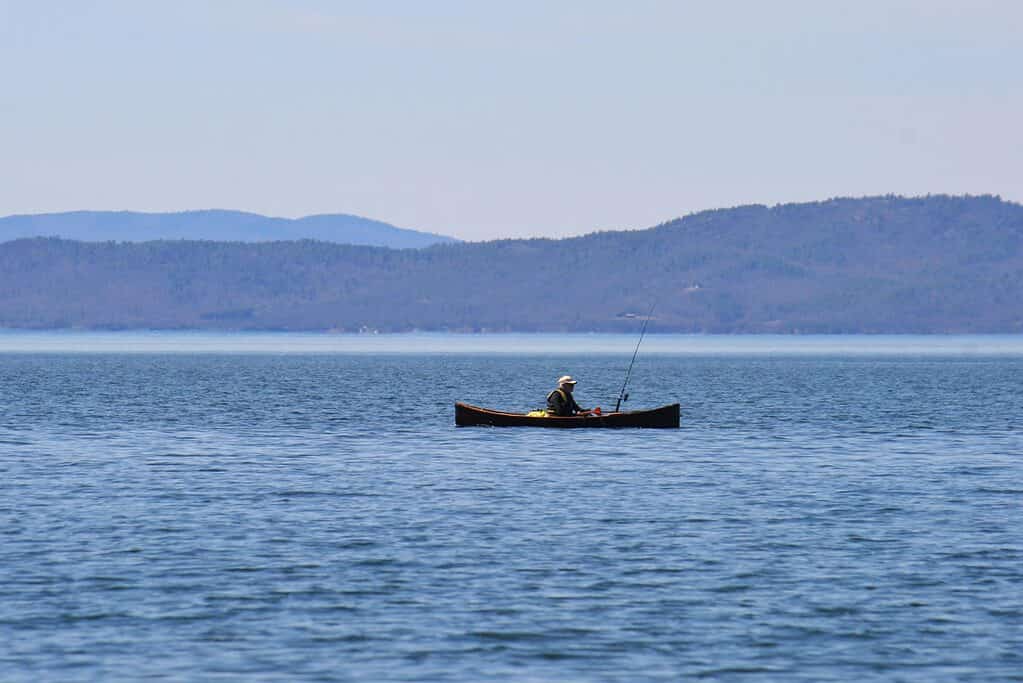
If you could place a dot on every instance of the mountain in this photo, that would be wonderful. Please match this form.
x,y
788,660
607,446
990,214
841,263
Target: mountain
x,y
936,264
214,225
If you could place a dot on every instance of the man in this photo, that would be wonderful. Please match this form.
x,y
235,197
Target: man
x,y
560,401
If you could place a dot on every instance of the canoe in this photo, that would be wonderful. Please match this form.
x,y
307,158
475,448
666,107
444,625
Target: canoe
x,y
665,417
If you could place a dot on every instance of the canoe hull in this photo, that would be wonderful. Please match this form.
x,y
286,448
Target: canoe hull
x,y
665,417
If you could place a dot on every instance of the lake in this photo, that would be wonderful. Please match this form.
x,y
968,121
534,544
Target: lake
x,y
300,507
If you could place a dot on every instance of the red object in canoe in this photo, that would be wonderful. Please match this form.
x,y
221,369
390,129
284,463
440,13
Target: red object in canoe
x,y
665,417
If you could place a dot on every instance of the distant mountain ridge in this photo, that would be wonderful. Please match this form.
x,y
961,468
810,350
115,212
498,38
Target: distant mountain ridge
x,y
936,264
217,225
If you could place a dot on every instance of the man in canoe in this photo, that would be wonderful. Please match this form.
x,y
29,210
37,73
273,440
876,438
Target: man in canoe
x,y
561,403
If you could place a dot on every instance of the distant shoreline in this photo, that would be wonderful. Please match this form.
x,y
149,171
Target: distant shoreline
x,y
938,264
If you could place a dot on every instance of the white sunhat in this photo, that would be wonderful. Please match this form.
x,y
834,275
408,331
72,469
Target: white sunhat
x,y
566,379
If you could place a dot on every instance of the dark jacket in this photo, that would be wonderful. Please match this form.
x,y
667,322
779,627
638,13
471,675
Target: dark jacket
x,y
561,403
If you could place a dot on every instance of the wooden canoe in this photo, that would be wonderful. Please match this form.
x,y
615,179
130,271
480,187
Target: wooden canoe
x,y
665,417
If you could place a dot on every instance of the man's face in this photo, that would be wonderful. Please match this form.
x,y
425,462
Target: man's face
x,y
568,387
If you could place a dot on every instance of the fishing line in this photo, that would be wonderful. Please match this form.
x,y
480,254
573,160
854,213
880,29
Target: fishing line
x,y
623,396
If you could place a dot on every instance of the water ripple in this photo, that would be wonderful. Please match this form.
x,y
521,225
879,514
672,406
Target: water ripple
x,y
290,518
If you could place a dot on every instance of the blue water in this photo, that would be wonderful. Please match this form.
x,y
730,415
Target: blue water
x,y
315,516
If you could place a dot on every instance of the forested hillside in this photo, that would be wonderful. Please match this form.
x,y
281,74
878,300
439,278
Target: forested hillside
x,y
882,264
213,225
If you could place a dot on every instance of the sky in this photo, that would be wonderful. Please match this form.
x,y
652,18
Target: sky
x,y
483,120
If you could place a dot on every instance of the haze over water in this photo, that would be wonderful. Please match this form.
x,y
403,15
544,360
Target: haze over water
x,y
186,506
76,341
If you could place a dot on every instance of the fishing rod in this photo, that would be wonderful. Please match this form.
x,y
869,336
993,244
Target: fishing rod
x,y
623,396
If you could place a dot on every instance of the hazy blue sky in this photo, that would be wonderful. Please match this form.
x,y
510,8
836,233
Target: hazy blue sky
x,y
486,119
